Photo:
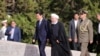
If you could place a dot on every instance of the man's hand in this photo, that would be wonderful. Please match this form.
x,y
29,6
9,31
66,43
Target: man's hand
x,y
57,41
91,42
70,39
10,32
33,41
75,40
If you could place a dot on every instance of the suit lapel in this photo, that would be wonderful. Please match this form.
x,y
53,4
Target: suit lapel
x,y
40,26
42,23
73,23
15,29
37,25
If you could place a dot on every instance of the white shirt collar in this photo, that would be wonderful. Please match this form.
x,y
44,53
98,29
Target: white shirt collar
x,y
40,20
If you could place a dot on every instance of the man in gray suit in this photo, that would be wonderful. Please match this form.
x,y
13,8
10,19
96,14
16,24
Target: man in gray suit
x,y
85,33
73,34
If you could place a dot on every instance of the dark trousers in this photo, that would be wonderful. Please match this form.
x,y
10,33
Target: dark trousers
x,y
75,46
11,39
98,46
98,49
42,45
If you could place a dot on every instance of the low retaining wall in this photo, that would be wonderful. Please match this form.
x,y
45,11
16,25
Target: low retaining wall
x,y
8,48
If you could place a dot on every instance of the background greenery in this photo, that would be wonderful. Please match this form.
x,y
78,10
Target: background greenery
x,y
23,12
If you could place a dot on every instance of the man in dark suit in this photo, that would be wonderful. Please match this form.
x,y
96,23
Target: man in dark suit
x,y
13,32
98,34
73,34
41,32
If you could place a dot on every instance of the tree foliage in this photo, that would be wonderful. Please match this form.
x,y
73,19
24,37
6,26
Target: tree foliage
x,y
2,9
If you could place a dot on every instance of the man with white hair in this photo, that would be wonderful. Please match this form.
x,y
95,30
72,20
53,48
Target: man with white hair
x,y
58,38
3,30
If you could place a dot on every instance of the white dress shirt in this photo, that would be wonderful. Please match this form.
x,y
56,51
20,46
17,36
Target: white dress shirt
x,y
99,28
12,33
75,22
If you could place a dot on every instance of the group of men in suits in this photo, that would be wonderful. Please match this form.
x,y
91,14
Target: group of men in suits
x,y
42,34
81,32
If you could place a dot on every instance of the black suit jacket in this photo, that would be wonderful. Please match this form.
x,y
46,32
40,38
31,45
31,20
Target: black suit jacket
x,y
96,34
41,31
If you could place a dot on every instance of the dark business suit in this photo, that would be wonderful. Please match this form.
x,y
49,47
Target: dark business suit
x,y
72,34
41,35
16,34
98,34
96,24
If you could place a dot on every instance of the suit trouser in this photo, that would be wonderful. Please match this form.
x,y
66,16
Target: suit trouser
x,y
84,49
75,46
42,45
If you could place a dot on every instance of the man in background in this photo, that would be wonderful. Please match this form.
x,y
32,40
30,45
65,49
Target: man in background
x,y
98,34
13,32
73,33
3,29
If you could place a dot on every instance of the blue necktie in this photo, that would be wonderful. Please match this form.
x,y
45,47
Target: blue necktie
x,y
39,23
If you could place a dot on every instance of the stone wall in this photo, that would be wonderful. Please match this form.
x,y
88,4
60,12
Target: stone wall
x,y
8,48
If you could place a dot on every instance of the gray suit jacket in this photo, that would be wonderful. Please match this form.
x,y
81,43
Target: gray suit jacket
x,y
72,30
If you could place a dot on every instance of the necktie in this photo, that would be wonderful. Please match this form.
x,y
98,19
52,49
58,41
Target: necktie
x,y
39,23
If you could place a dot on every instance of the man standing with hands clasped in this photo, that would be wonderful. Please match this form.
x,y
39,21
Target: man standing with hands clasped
x,y
85,33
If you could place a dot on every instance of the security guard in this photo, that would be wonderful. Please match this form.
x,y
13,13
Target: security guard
x,y
85,32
